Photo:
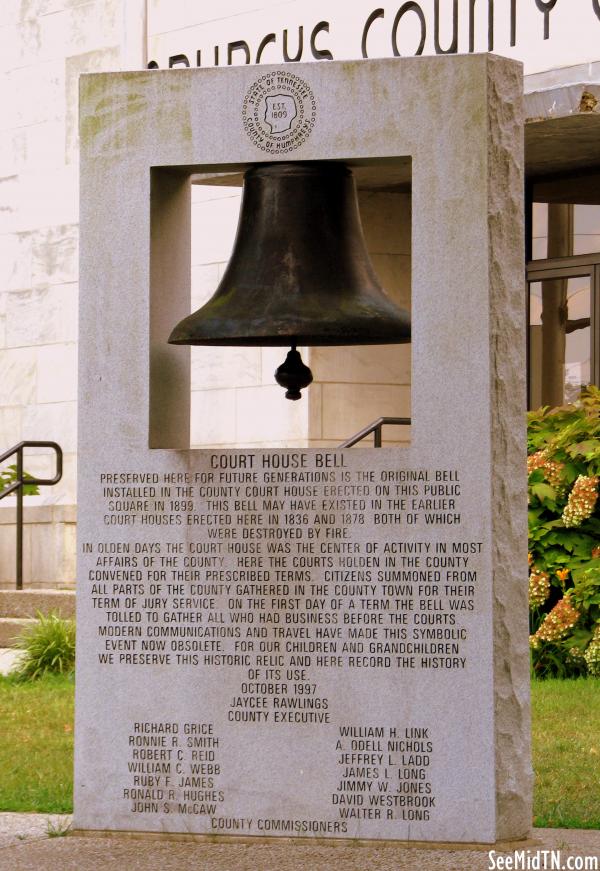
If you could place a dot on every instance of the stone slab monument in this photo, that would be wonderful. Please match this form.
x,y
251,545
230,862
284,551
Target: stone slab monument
x,y
304,643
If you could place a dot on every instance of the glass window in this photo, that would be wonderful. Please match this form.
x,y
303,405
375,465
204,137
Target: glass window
x,y
539,231
586,232
564,229
559,338
564,287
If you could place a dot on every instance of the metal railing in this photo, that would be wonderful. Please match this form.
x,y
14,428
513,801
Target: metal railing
x,y
375,428
22,479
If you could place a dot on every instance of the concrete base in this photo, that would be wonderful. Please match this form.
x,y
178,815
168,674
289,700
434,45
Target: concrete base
x,y
78,852
189,837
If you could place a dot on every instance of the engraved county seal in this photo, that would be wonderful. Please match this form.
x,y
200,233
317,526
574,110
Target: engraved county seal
x,y
279,112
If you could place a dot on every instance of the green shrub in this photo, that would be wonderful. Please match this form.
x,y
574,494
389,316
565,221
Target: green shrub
x,y
48,647
564,537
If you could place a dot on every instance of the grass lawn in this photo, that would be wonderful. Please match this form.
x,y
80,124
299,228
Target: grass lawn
x,y
566,753
36,745
36,750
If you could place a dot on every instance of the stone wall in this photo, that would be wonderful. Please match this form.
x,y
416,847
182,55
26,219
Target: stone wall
x,y
44,46
48,546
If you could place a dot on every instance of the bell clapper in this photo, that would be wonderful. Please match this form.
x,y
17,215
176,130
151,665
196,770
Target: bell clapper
x,y
293,374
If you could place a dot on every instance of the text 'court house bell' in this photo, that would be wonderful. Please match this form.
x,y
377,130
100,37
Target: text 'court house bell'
x,y
299,273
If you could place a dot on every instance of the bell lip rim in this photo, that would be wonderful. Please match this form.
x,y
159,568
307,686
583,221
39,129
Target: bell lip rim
x,y
288,341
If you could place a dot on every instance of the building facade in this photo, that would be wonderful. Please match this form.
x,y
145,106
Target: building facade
x,y
48,44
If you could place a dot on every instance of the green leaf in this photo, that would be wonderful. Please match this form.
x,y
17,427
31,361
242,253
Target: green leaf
x,y
536,476
587,448
8,476
544,492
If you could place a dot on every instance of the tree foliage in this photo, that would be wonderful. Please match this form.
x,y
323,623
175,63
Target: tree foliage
x,y
8,476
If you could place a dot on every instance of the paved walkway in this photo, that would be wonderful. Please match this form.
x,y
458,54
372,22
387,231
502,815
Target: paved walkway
x,y
25,846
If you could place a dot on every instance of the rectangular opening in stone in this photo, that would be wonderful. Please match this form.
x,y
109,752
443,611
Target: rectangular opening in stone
x,y
235,401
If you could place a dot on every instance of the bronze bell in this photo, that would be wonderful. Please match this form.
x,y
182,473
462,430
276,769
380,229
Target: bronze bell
x,y
299,273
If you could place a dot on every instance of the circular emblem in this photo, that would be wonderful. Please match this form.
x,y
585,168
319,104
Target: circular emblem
x,y
279,112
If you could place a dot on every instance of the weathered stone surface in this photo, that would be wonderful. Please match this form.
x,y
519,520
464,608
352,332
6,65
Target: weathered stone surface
x,y
508,392
54,421
57,373
389,364
8,193
44,85
82,62
459,700
54,255
11,628
10,425
213,417
225,368
215,222
41,315
15,260
347,408
48,547
27,603
47,198
205,278
17,376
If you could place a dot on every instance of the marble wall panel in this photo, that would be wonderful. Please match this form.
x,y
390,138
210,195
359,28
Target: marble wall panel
x,y
56,373
41,315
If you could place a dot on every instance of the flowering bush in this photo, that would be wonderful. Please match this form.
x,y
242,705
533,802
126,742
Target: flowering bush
x,y
564,537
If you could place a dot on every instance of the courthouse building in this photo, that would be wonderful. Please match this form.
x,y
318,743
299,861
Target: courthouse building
x,y
44,47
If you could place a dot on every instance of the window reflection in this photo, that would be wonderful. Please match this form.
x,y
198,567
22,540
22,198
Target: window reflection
x,y
564,287
560,337
564,229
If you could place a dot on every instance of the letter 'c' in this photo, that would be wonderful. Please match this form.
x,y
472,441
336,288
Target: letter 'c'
x,y
377,13
319,53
